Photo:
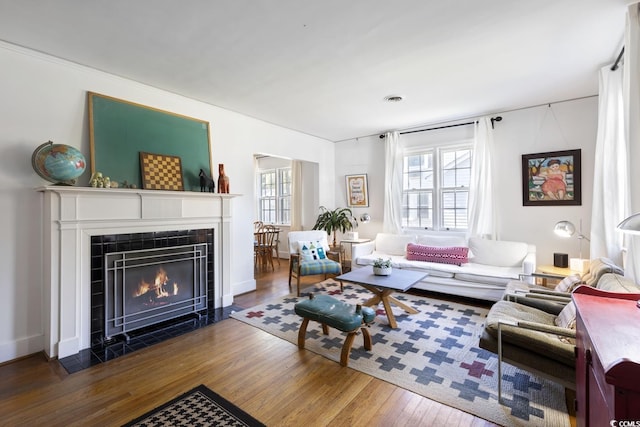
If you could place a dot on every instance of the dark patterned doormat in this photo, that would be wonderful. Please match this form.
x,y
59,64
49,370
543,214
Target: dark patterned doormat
x,y
433,353
197,407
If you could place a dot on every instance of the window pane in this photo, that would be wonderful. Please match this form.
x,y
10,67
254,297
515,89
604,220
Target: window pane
x,y
268,184
417,210
268,209
448,200
427,179
449,178
435,193
463,158
454,209
285,182
413,181
463,177
448,159
275,196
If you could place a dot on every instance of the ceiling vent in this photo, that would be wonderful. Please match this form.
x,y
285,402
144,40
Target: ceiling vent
x,y
394,98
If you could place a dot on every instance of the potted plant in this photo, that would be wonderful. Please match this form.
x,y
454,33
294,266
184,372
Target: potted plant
x,y
382,267
331,221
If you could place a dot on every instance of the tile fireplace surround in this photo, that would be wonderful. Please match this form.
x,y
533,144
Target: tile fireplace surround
x,y
73,214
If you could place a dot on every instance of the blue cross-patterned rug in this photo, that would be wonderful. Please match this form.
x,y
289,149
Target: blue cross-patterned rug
x,y
433,353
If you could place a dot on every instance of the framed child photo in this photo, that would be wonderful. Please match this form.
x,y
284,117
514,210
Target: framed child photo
x,y
552,178
357,192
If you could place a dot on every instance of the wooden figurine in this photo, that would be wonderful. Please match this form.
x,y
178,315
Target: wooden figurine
x,y
223,180
206,182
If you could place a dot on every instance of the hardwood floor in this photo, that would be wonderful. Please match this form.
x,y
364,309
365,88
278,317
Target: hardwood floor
x,y
266,376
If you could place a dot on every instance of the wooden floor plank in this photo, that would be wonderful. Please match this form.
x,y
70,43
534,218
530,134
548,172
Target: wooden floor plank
x,y
268,377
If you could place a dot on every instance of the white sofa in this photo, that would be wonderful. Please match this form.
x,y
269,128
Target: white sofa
x,y
491,263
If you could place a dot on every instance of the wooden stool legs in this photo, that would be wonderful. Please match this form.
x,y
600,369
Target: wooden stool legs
x,y
348,342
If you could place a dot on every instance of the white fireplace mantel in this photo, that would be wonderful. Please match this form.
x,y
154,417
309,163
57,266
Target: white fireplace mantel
x,y
73,214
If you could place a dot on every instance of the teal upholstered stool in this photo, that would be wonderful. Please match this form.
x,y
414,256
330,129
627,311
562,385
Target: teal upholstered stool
x,y
337,314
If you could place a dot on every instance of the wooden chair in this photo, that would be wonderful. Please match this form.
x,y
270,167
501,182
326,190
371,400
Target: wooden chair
x,y
300,266
257,225
275,246
265,244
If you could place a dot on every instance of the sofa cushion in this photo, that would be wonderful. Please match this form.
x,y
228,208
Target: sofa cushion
x,y
442,241
396,260
500,253
456,255
487,279
617,283
393,244
598,267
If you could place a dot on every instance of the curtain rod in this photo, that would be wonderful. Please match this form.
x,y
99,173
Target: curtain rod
x,y
499,118
616,64
493,119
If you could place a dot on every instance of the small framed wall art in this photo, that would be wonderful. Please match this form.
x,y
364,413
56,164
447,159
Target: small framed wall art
x,y
552,178
161,172
357,191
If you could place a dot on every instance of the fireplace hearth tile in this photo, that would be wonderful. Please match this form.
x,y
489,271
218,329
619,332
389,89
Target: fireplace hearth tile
x,y
100,353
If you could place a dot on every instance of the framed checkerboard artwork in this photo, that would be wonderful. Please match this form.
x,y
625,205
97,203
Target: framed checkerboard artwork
x,y
161,172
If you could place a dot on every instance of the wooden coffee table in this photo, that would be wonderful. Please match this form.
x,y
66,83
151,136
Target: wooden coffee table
x,y
383,286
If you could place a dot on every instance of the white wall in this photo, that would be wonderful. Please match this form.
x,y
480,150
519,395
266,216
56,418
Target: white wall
x,y
563,126
44,98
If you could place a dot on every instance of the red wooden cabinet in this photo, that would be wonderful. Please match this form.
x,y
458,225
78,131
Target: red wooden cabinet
x,y
608,358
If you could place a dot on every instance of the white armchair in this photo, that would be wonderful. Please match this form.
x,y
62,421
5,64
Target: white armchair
x,y
309,255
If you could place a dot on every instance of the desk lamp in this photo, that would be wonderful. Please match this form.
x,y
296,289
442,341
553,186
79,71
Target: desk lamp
x,y
630,225
567,229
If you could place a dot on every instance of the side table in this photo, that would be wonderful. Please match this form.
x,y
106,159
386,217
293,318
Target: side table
x,y
346,260
550,272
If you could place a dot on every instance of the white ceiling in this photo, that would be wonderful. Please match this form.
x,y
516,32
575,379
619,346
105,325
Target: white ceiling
x,y
323,67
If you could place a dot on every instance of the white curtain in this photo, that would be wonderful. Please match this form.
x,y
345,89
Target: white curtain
x,y
632,126
610,175
392,220
296,195
482,213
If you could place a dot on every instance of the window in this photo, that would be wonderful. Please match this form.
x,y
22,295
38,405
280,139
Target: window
x,y
435,188
275,196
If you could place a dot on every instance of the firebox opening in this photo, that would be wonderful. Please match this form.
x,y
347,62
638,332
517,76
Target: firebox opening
x,y
145,287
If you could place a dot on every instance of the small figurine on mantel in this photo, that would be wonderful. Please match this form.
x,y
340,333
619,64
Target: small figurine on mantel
x,y
223,180
206,182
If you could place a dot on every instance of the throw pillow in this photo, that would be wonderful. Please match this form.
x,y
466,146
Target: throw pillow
x,y
568,283
567,317
445,255
312,250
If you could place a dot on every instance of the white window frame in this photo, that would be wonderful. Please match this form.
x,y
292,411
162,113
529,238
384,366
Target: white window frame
x,y
438,190
281,196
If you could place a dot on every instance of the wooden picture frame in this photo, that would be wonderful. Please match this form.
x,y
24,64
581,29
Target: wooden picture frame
x,y
161,172
357,191
552,178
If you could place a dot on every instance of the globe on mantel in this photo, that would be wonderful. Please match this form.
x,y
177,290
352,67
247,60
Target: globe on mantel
x,y
58,163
